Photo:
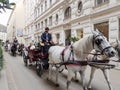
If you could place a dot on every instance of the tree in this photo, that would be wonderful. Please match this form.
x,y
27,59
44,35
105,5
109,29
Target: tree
x,y
5,4
1,57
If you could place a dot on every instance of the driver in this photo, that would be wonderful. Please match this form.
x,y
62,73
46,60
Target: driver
x,y
46,38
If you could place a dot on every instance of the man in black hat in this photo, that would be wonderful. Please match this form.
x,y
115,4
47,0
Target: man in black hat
x,y
46,38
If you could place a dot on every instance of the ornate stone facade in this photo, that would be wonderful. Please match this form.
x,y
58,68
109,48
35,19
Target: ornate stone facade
x,y
72,18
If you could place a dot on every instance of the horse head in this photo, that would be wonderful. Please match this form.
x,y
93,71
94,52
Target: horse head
x,y
101,43
116,45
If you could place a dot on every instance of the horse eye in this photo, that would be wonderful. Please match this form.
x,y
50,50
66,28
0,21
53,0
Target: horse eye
x,y
101,40
98,41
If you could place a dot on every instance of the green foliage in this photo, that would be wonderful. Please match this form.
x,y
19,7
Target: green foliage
x,y
4,4
1,58
73,39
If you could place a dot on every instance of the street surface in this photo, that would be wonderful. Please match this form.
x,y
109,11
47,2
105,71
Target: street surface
x,y
16,76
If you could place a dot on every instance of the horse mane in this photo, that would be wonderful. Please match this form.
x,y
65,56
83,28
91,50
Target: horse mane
x,y
114,44
83,45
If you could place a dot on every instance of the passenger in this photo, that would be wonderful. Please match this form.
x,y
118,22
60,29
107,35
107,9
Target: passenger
x,y
32,46
9,47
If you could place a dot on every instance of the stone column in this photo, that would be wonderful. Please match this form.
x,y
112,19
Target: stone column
x,y
113,29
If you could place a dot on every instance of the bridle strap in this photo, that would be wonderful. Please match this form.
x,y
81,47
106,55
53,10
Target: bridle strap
x,y
94,39
105,49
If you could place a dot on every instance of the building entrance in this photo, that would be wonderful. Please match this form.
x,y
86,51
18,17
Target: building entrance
x,y
103,28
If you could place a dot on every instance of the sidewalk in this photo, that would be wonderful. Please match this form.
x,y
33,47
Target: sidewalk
x,y
3,80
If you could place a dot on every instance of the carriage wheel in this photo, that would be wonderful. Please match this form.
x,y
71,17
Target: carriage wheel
x,y
25,60
39,69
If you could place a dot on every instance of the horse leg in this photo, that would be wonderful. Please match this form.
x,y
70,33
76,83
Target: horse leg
x,y
75,78
69,78
91,76
57,72
82,73
106,74
50,72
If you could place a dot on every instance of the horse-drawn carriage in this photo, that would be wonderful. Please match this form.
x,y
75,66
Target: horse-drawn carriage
x,y
38,57
73,58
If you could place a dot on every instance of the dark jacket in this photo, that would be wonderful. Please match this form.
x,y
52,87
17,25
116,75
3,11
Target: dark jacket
x,y
46,37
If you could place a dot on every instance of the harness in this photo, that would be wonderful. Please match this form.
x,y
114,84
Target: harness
x,y
73,61
82,62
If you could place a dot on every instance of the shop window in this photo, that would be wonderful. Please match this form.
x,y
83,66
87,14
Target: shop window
x,y
80,33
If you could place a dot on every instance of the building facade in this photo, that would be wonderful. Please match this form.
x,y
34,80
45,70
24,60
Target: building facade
x,y
72,18
16,22
3,32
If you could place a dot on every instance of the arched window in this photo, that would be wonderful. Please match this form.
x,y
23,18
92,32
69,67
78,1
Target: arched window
x,y
67,13
80,5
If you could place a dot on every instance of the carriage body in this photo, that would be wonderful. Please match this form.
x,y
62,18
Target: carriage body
x,y
36,57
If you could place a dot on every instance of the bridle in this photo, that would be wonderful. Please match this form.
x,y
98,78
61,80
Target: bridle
x,y
98,44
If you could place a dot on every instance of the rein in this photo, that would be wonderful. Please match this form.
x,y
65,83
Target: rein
x,y
102,51
73,61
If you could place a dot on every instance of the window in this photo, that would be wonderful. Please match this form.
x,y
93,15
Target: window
x,y
50,20
41,8
67,13
45,22
50,2
80,5
42,24
38,11
80,33
101,1
38,25
56,18
45,5
119,29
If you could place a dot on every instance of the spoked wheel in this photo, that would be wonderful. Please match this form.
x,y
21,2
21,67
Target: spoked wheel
x,y
25,61
39,69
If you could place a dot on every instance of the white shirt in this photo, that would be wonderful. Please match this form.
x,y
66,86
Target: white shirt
x,y
32,47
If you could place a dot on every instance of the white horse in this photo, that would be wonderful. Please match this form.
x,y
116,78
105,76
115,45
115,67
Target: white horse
x,y
90,57
86,44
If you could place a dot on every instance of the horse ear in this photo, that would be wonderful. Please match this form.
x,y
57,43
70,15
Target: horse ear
x,y
97,30
117,40
92,31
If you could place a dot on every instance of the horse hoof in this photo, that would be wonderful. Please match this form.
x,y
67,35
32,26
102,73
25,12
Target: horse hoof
x,y
57,85
47,79
89,89
76,80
